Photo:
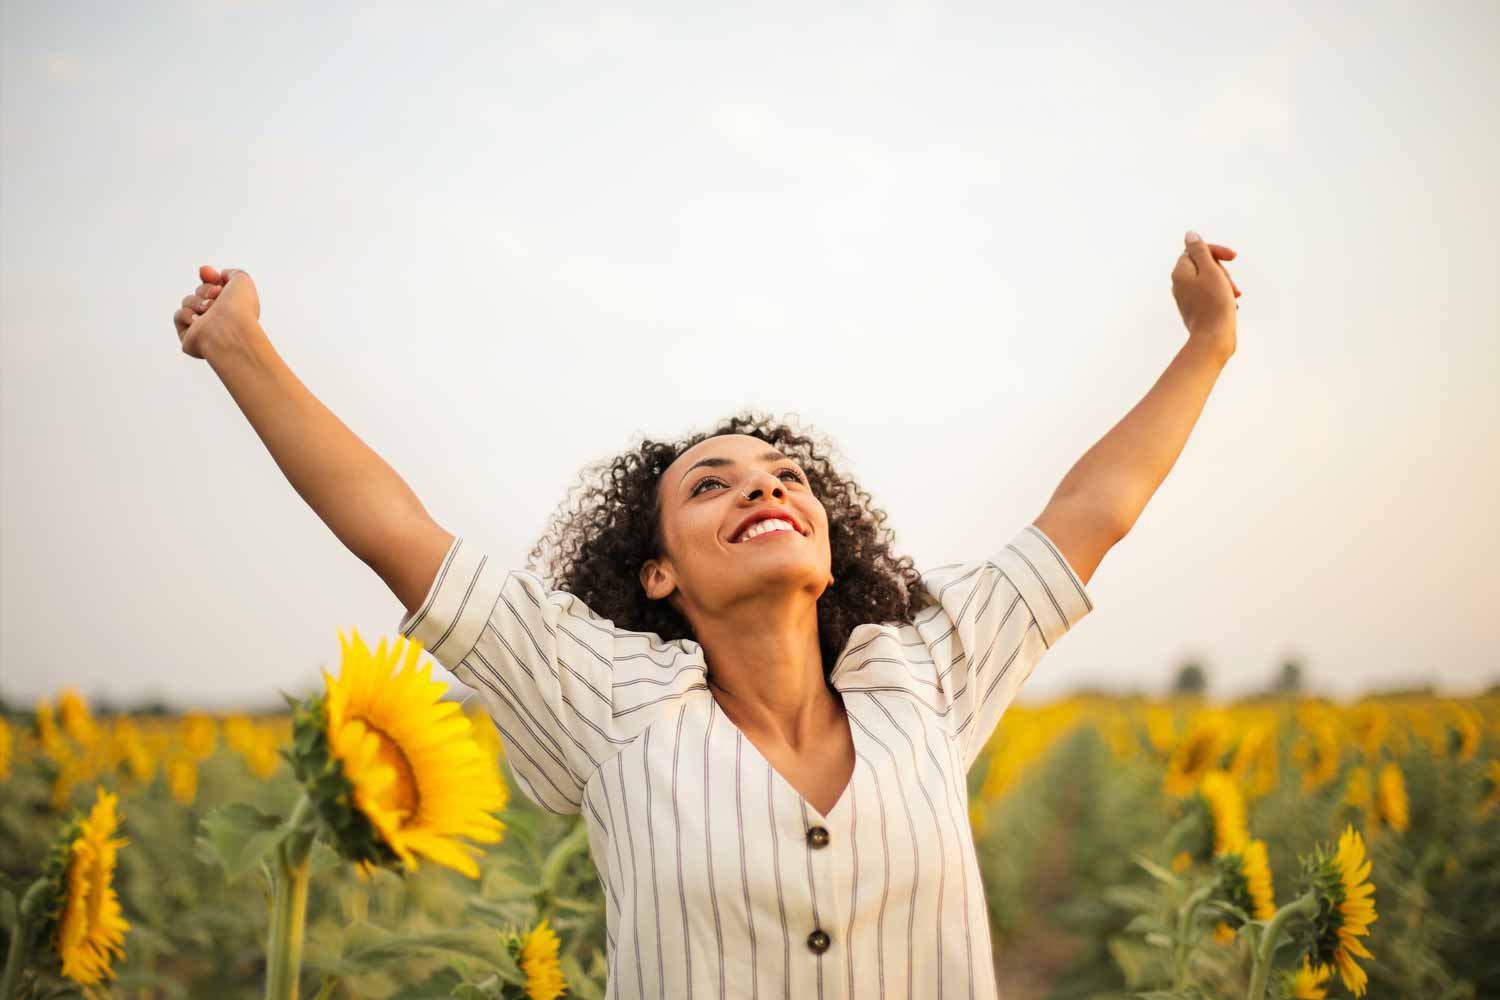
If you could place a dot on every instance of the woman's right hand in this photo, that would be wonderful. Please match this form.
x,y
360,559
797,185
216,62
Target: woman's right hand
x,y
225,307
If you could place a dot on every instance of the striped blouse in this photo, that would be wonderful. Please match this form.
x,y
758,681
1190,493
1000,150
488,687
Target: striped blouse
x,y
719,879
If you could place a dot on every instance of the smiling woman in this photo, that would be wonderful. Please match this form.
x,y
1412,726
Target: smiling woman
x,y
742,736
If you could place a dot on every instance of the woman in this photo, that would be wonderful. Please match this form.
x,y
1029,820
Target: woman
x,y
765,718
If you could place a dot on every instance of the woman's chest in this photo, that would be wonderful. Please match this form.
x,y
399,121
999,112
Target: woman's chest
x,y
697,807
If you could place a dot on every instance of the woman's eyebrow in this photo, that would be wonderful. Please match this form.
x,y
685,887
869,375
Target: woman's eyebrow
x,y
771,456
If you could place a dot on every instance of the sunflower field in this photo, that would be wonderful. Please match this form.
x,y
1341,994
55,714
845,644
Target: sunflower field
x,y
1286,847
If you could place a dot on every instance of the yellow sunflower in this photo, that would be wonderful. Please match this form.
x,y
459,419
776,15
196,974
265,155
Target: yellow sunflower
x,y
538,959
76,719
1255,764
262,755
1357,793
7,741
1346,908
1368,723
1227,807
408,762
90,925
1489,789
1198,752
1391,802
197,732
1161,729
1318,751
1463,736
182,778
48,734
1245,878
1306,983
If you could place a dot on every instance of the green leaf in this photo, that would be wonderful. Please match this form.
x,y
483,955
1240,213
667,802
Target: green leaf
x,y
368,948
237,836
1131,897
1144,923
438,985
1160,940
1157,872
322,859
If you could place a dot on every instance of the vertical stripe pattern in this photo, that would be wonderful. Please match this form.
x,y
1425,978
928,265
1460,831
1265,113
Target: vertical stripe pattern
x,y
716,876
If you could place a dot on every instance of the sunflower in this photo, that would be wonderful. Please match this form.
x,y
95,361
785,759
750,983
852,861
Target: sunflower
x,y
85,924
1368,724
1306,983
393,771
7,742
1226,806
1346,908
1489,789
1256,764
182,778
197,732
48,734
1469,725
76,719
1319,752
538,959
1390,799
1161,729
262,756
1246,877
1199,751
1357,793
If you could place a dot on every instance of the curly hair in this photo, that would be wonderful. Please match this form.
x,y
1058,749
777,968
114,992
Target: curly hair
x,y
610,525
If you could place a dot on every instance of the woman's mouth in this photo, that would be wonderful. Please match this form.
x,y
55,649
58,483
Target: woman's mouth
x,y
766,527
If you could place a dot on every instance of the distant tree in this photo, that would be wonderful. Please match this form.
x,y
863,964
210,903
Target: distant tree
x,y
1191,679
1289,681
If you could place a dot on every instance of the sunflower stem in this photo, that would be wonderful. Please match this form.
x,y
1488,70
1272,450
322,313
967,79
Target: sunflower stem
x,y
1185,918
1305,905
289,906
20,939
576,842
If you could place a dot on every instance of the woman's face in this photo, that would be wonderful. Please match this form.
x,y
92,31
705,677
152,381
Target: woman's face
x,y
705,497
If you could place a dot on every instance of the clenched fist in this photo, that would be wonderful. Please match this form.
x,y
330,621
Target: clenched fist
x,y
1205,292
224,308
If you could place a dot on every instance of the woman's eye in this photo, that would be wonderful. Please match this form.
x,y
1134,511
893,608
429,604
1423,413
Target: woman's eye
x,y
796,476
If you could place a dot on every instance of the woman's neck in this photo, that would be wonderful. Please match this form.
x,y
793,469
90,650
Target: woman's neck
x,y
767,675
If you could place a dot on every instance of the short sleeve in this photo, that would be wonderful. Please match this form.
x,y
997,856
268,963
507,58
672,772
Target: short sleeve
x,y
565,688
996,620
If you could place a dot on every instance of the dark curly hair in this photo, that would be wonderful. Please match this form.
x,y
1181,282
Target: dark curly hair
x,y
598,539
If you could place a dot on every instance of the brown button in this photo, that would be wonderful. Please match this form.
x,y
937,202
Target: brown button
x,y
817,837
818,942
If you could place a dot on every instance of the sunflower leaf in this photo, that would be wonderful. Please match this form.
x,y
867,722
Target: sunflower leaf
x,y
237,836
368,948
1157,872
322,859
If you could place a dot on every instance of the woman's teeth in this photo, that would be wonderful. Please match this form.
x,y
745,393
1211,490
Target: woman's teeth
x,y
769,524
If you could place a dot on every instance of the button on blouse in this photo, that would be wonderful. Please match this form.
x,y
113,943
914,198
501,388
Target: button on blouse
x,y
710,862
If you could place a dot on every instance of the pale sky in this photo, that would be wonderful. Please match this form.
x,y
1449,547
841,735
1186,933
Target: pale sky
x,y
504,242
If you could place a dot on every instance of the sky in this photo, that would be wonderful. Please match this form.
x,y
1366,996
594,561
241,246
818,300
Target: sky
x,y
504,242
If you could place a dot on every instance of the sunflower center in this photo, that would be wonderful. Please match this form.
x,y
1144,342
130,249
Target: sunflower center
x,y
1197,755
402,795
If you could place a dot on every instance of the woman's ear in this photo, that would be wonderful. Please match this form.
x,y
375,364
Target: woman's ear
x,y
657,580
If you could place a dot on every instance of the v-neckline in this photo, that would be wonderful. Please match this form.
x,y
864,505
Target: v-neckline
x,y
713,706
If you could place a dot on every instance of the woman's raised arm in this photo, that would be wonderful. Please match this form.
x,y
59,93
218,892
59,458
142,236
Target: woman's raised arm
x,y
362,499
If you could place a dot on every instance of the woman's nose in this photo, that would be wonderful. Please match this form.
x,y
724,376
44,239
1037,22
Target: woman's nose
x,y
753,491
